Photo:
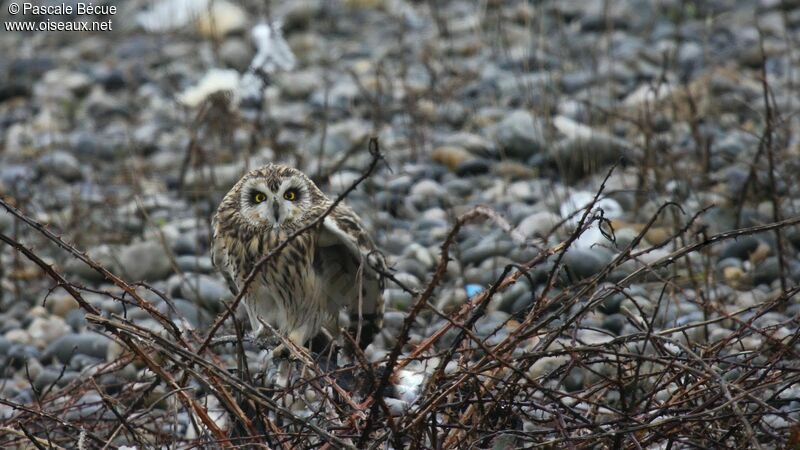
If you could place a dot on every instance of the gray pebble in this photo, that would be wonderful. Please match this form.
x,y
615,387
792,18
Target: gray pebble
x,y
91,344
615,323
519,135
476,255
48,378
102,254
60,164
538,224
145,261
740,248
236,53
581,263
204,290
574,379
190,263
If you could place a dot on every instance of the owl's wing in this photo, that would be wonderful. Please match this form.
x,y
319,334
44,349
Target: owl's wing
x,y
219,256
345,259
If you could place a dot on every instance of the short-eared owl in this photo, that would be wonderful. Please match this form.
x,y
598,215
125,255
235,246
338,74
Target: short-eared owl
x,y
322,278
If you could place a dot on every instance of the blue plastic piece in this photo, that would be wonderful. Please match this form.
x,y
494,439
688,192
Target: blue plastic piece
x,y
473,289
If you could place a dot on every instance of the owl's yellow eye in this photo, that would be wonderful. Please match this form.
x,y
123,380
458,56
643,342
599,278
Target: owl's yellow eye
x,y
259,197
290,195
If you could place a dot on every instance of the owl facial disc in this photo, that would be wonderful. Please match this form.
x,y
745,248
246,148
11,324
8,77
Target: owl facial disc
x,y
273,205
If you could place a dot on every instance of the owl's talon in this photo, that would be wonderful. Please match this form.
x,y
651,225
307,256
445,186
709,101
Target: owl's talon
x,y
263,342
281,352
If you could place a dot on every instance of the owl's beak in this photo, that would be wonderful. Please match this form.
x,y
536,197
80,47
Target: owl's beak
x,y
276,212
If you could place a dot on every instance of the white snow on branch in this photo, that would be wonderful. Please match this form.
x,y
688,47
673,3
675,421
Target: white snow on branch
x,y
214,81
272,55
273,52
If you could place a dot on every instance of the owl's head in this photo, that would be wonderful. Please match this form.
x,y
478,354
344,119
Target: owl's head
x,y
278,197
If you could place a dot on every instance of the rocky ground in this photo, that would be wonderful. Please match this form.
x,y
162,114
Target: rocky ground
x,y
118,142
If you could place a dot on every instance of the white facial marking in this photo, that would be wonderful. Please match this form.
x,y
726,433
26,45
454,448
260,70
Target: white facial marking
x,y
275,210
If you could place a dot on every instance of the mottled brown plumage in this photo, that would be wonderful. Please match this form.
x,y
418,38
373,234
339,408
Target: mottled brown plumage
x,y
323,279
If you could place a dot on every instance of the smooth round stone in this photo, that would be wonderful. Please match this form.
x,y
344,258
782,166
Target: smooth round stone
x,y
538,224
793,310
473,167
519,135
769,319
575,81
20,354
6,220
61,303
408,280
400,184
574,206
102,254
615,323
60,164
5,345
574,379
76,319
580,264
46,330
91,344
236,53
88,405
451,156
476,255
203,290
298,84
428,189
54,378
740,248
431,228
450,299
768,271
693,317
145,261
624,237
341,137
185,244
490,322
459,187
17,175
397,298
81,362
413,267
579,157
191,263
9,324
473,143
393,320
18,336
197,318
523,254
514,299
437,214
522,303
421,255
750,298
733,262
547,365
396,242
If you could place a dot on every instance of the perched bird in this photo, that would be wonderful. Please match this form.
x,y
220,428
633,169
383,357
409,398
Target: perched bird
x,y
322,281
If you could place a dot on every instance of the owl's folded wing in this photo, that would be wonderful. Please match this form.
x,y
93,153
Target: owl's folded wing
x,y
346,259
219,257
